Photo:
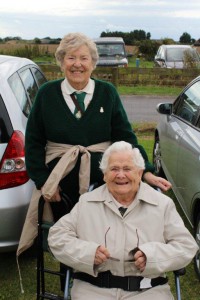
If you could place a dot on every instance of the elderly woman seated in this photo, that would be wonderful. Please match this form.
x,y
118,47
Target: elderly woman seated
x,y
122,237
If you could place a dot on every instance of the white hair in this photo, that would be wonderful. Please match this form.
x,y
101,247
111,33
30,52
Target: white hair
x,y
73,41
122,146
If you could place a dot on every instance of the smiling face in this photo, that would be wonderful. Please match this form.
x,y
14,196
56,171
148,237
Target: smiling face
x,y
122,177
78,66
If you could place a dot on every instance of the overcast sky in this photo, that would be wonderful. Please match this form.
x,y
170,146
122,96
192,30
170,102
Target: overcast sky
x,y
42,18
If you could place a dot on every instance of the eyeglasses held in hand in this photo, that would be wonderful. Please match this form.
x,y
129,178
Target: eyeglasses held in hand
x,y
135,249
111,258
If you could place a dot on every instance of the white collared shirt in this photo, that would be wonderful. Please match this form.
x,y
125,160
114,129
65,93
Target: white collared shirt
x,y
67,89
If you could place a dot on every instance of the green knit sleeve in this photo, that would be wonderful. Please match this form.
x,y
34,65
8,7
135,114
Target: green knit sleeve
x,y
35,143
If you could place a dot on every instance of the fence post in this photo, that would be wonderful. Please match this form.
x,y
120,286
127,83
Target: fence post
x,y
115,76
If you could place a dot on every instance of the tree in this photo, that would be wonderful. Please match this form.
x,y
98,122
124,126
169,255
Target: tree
x,y
37,41
185,38
148,35
148,48
168,41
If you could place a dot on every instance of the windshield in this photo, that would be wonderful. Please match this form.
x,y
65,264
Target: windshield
x,y
111,49
179,54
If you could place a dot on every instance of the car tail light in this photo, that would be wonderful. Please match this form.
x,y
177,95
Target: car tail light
x,y
12,166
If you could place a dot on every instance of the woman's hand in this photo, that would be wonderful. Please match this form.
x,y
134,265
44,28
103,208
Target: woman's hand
x,y
140,260
159,182
55,198
101,255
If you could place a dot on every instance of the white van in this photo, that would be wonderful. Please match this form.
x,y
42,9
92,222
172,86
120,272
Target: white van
x,y
111,51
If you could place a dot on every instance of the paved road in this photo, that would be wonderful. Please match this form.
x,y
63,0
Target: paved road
x,y
143,108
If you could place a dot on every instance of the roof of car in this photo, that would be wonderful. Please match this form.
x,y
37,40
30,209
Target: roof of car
x,y
109,39
4,58
9,64
176,46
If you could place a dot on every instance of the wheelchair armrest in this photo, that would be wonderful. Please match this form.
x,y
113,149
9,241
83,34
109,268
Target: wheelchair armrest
x,y
93,186
180,272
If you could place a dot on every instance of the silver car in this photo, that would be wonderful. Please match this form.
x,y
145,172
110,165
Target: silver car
x,y
177,152
20,79
176,56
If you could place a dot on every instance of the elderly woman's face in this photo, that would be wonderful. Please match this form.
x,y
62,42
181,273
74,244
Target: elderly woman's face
x,y
78,66
122,176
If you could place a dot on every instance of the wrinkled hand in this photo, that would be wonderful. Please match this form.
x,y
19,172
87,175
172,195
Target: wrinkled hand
x,y
101,255
56,197
159,182
140,260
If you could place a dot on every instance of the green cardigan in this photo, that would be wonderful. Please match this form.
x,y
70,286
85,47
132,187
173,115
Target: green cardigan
x,y
50,119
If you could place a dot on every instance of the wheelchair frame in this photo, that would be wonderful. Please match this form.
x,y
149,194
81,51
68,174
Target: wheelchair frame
x,y
43,229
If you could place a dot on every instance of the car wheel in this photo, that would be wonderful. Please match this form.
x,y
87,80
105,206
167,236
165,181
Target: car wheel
x,y
157,158
197,256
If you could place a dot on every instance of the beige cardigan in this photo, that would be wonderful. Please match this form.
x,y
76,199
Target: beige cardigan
x,y
69,156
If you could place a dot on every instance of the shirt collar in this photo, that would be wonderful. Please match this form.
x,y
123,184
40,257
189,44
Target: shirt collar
x,y
144,194
88,89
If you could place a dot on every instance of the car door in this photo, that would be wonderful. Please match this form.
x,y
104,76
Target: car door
x,y
188,160
170,134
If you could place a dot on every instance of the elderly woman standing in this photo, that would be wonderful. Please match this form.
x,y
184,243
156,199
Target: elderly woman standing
x,y
61,126
121,238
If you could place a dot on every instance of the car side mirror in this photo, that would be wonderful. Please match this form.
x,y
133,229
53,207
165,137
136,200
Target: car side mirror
x,y
164,108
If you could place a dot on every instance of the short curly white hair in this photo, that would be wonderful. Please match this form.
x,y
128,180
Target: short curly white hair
x,y
73,41
122,146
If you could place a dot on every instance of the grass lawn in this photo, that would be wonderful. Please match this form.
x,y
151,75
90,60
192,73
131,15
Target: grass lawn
x,y
149,90
9,279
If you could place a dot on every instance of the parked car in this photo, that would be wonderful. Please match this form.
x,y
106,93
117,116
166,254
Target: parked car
x,y
176,56
20,79
177,152
111,52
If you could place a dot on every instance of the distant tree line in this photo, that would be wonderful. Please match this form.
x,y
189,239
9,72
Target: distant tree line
x,y
130,38
36,40
133,37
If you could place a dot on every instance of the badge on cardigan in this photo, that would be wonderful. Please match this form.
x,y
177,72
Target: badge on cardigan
x,y
78,115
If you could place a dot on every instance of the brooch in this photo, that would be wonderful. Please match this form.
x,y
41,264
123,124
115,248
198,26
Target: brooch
x,y
78,115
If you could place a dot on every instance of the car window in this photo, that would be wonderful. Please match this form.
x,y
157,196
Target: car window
x,y
40,78
110,49
187,106
6,128
174,54
17,87
162,53
181,54
25,84
29,83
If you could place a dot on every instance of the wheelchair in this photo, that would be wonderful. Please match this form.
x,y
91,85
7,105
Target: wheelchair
x,y
42,293
42,270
